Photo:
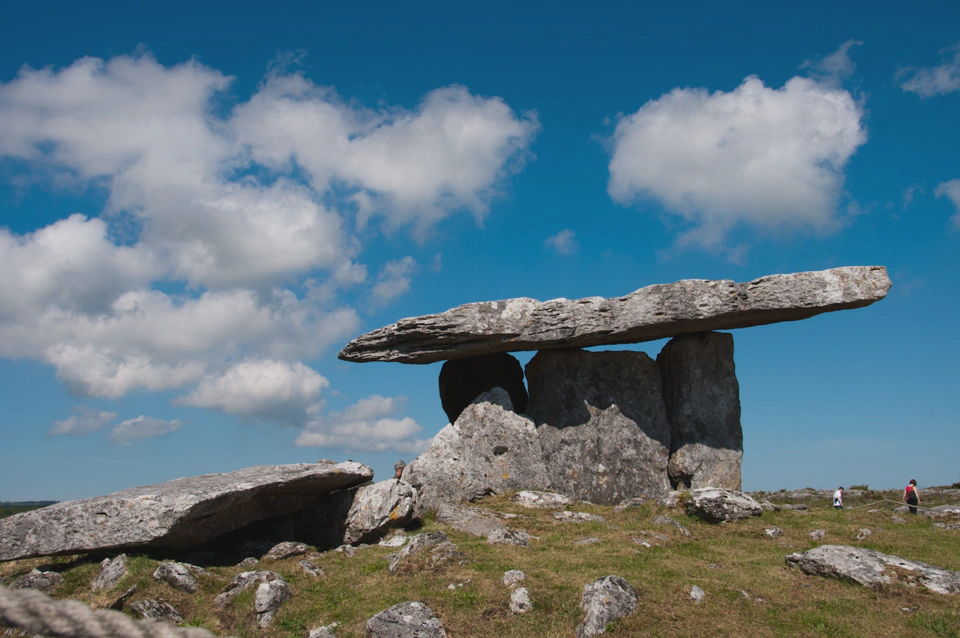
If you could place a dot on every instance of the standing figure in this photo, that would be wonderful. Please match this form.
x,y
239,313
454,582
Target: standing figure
x,y
911,497
838,499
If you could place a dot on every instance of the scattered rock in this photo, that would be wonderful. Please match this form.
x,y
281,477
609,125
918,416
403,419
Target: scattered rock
x,y
898,520
743,593
578,517
270,595
463,380
903,509
36,579
242,581
513,578
702,398
773,532
656,535
488,450
327,631
605,600
509,536
441,550
642,542
520,601
480,522
406,620
869,568
863,533
397,539
111,571
249,561
671,499
667,521
177,576
286,549
177,514
696,594
654,312
818,534
797,507
307,567
533,498
157,609
346,550
716,504
767,506
123,598
630,502
377,508
586,541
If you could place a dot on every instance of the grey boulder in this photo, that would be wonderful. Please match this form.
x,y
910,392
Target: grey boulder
x,y
377,508
480,522
178,514
604,601
286,549
156,609
270,595
869,568
602,424
716,505
488,450
177,576
654,312
39,580
110,573
406,620
520,601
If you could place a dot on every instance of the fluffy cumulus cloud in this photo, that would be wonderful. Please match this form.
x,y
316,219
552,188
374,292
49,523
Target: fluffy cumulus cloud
x,y
770,158
564,242
142,427
228,240
938,80
370,425
85,421
951,190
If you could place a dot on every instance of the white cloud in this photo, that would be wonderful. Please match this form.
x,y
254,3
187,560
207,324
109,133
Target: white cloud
x,y
837,65
951,190
368,425
142,427
85,421
564,242
938,80
260,390
771,158
393,281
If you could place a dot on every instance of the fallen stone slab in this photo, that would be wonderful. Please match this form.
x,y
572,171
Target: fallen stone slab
x,y
872,569
716,505
377,508
654,312
480,522
604,601
178,514
406,620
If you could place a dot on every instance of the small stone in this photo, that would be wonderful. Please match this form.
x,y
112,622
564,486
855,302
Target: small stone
x,y
604,601
286,549
327,631
818,534
310,569
643,543
346,550
773,532
671,499
242,581
176,575
767,506
406,620
696,594
520,601
863,533
270,595
157,609
578,517
513,578
533,498
586,541
111,571
397,539
249,561
898,520
630,502
667,521
743,593
36,579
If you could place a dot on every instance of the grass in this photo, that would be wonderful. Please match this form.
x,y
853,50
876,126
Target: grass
x,y
722,559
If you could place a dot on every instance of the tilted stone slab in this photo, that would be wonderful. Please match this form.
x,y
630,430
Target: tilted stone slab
x,y
654,312
176,514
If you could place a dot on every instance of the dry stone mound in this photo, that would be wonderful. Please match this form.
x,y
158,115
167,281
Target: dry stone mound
x,y
463,380
602,424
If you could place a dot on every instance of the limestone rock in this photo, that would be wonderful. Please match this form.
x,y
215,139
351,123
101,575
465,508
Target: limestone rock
x,y
326,631
863,533
157,609
377,508
463,380
177,576
869,568
715,505
397,539
286,549
586,541
818,534
406,620
270,595
702,398
627,503
307,567
578,517
767,506
654,312
177,514
667,521
36,579
520,601
480,522
696,594
111,571
602,425
489,450
512,578
243,581
441,550
605,600
534,498
773,532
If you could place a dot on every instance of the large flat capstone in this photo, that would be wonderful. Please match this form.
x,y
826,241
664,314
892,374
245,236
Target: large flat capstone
x,y
176,514
654,312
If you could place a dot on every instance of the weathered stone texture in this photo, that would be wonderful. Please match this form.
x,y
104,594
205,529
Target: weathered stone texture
x,y
406,620
377,508
869,568
167,515
463,380
604,601
654,312
716,505
488,450
602,424
702,399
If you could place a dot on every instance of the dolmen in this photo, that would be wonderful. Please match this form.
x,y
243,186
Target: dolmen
x,y
598,426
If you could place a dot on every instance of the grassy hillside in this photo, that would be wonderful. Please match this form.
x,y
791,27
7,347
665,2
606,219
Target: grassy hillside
x,y
8,508
725,560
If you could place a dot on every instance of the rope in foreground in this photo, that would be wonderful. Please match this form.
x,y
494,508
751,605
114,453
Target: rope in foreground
x,y
36,613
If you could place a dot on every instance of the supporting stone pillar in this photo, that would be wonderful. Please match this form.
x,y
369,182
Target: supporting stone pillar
x,y
602,424
702,399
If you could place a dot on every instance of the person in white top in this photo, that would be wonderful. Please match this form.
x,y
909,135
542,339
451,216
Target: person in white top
x,y
838,498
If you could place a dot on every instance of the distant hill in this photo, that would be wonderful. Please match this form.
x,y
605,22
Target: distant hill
x,y
9,508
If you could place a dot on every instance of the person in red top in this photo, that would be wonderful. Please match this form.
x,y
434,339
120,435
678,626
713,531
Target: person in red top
x,y
911,497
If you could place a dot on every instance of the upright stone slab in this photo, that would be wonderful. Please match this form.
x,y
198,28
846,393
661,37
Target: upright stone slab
x,y
463,380
488,450
702,398
602,425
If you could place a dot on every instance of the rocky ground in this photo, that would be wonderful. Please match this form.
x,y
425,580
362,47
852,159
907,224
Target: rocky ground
x,y
685,573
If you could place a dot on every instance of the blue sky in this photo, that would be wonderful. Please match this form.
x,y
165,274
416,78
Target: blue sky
x,y
200,206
